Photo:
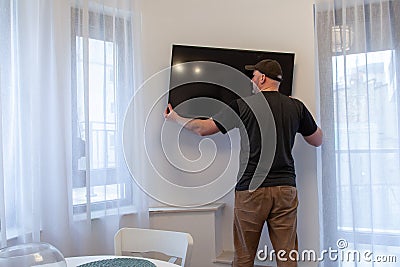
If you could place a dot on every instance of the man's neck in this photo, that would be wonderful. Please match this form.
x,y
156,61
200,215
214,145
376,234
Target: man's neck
x,y
269,88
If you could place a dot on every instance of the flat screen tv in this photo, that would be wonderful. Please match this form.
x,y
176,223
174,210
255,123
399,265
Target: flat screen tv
x,y
205,79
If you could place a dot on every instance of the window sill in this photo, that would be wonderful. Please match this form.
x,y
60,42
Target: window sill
x,y
214,207
95,215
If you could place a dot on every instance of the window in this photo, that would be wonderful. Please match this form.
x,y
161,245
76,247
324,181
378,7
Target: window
x,y
366,116
100,93
359,77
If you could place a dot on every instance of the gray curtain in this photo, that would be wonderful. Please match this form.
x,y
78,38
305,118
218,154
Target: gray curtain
x,y
358,73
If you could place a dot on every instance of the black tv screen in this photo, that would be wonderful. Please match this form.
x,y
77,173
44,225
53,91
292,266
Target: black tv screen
x,y
205,79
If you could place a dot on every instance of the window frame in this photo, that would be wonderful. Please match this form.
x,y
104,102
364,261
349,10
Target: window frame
x,y
79,176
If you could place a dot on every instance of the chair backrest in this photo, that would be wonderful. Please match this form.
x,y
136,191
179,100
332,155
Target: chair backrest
x,y
176,244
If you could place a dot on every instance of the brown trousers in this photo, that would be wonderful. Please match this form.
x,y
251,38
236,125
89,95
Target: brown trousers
x,y
275,205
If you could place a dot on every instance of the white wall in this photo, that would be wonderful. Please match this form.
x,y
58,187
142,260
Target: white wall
x,y
279,25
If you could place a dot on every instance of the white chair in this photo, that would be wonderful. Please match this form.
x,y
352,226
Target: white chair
x,y
138,240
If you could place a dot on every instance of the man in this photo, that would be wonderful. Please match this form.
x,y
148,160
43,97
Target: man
x,y
274,199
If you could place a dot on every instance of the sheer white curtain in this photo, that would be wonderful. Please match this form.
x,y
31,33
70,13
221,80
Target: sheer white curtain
x,y
67,72
359,73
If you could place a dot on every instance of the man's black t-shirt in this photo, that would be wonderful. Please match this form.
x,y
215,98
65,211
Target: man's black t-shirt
x,y
290,117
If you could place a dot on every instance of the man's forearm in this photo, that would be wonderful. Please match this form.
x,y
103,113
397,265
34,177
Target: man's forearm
x,y
198,126
194,125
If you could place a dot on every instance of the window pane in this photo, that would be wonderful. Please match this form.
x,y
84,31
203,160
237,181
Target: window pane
x,y
367,142
365,101
101,91
101,102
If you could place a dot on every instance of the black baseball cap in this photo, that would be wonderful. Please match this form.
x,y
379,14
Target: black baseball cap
x,y
269,67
